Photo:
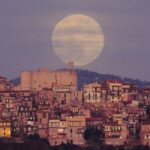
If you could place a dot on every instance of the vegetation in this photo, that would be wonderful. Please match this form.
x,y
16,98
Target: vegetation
x,y
27,145
148,111
93,135
85,77
43,145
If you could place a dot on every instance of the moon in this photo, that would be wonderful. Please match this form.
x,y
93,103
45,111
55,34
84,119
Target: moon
x,y
78,39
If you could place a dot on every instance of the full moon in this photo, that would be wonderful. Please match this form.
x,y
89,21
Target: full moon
x,y
78,39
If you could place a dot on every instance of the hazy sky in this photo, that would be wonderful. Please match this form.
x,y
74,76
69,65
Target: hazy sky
x,y
26,27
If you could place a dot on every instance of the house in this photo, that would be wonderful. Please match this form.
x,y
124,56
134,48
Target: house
x,y
57,132
118,117
42,119
5,84
94,122
76,126
115,134
5,128
92,93
115,90
145,133
70,130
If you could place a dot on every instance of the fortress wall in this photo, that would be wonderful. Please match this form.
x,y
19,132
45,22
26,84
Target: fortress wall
x,y
26,80
66,78
44,78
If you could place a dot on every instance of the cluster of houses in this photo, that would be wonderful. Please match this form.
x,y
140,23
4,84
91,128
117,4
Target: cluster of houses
x,y
60,113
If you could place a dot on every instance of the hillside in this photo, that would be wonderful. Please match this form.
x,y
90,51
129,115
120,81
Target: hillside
x,y
85,76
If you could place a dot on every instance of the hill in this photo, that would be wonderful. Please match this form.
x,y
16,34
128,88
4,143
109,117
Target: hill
x,y
86,76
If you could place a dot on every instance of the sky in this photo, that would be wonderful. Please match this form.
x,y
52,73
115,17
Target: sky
x,y
26,28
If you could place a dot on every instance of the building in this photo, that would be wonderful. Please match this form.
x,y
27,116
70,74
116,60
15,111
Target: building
x,y
92,93
76,126
70,130
45,78
118,117
65,93
43,118
57,132
5,129
115,90
94,122
145,133
4,84
115,134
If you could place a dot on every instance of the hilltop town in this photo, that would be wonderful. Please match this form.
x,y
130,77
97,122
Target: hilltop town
x,y
47,103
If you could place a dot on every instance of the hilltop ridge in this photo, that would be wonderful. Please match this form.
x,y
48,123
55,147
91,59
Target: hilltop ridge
x,y
86,76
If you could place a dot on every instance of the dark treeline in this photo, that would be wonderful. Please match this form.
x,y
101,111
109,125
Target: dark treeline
x,y
27,145
43,145
92,136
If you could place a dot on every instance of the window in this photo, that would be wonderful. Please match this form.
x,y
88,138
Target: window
x,y
29,128
145,137
71,131
80,123
44,115
80,136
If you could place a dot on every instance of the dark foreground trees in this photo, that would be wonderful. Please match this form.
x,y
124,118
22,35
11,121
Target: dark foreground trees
x,y
26,145
92,135
43,145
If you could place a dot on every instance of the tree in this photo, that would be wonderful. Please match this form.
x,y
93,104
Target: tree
x,y
148,111
93,135
140,147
